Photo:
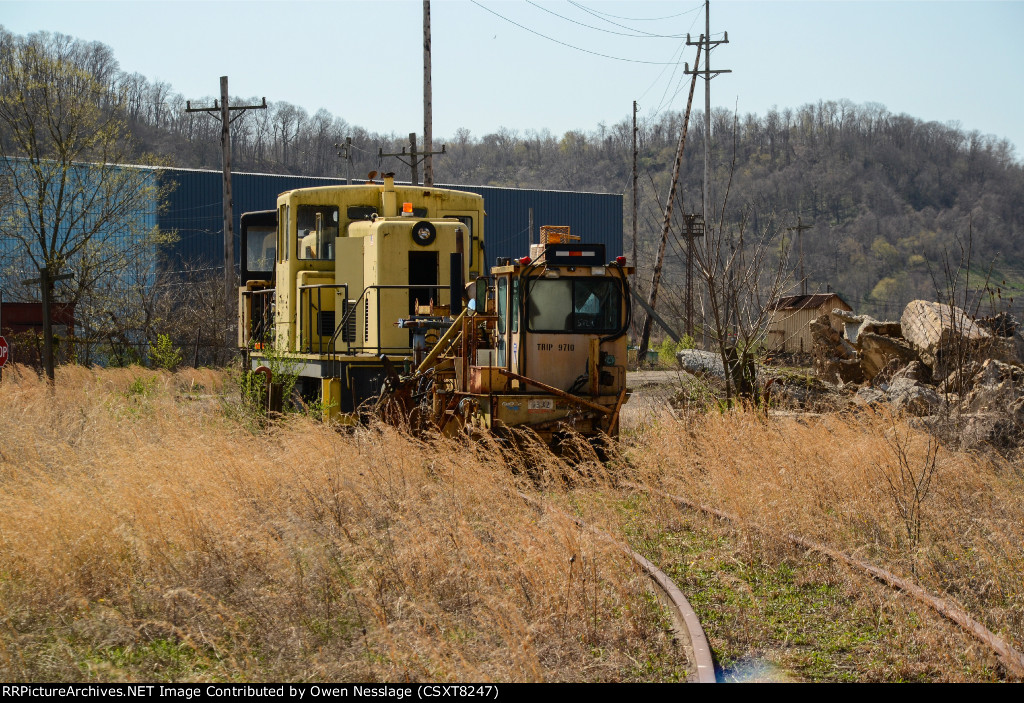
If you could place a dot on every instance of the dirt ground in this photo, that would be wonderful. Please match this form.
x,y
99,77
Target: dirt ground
x,y
651,392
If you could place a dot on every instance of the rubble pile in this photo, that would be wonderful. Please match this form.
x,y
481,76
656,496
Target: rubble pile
x,y
935,354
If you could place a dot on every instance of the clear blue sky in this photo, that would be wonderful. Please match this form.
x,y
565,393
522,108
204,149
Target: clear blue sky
x,y
942,61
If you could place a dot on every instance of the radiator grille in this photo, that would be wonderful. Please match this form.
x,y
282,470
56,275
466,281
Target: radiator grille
x,y
325,323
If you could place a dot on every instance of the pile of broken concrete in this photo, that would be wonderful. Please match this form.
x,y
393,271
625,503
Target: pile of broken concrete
x,y
935,357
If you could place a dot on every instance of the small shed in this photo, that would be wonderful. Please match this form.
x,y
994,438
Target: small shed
x,y
790,327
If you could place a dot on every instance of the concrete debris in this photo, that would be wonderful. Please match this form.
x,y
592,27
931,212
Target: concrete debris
x,y
915,371
935,354
869,396
995,386
943,336
1001,325
835,359
701,363
912,397
878,352
856,325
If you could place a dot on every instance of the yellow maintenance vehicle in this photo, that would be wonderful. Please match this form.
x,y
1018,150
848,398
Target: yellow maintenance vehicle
x,y
346,283
541,344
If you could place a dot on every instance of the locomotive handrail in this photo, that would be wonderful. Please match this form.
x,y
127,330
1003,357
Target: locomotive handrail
x,y
378,349
319,306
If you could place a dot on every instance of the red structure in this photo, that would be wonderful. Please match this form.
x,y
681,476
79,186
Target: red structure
x,y
28,317
22,325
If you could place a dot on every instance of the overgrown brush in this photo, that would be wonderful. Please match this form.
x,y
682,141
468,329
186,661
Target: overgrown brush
x,y
144,535
871,485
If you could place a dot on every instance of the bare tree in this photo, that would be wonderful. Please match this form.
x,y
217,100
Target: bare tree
x,y
742,279
72,207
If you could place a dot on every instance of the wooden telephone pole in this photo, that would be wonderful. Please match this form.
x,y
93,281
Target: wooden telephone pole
x,y
694,228
345,152
414,158
223,112
645,335
706,43
428,107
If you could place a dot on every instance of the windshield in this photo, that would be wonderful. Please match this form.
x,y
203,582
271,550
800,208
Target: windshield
x,y
317,230
574,305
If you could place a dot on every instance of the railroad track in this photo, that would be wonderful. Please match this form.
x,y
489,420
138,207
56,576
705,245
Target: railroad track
x,y
1011,660
685,623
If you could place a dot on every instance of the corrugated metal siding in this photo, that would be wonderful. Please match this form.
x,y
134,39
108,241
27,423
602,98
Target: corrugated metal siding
x,y
194,211
596,217
86,184
790,330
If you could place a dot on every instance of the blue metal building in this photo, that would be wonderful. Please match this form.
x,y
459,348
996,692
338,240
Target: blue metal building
x,y
194,212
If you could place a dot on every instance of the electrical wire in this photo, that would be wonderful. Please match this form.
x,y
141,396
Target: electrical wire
x,y
598,13
570,46
639,33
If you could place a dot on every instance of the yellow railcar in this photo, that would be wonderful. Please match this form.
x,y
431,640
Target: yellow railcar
x,y
542,346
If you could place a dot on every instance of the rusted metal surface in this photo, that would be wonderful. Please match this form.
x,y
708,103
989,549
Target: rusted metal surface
x,y
703,661
683,613
1010,658
560,393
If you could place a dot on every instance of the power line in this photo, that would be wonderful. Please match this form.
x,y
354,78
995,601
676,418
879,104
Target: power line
x,y
571,46
640,34
598,13
677,55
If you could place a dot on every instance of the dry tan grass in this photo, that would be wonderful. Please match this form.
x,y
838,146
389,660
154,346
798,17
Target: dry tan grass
x,y
149,530
147,534
824,478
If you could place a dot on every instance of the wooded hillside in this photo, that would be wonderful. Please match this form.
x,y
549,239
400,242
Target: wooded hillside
x,y
887,196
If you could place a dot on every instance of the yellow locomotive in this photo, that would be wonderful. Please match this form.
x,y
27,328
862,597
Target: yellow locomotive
x,y
326,275
363,289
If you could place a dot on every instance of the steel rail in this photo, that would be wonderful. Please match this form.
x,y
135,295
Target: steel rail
x,y
682,613
1011,660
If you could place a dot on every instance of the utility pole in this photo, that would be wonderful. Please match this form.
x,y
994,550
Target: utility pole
x,y
706,42
708,75
645,335
46,281
799,229
635,192
694,228
223,112
414,157
345,152
428,107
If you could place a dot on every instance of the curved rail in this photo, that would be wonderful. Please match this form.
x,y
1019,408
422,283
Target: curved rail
x,y
686,620
1010,658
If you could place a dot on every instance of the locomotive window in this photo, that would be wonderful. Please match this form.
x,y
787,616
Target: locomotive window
x,y
574,305
282,232
502,298
317,230
549,306
515,305
595,304
361,212
261,247
467,220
